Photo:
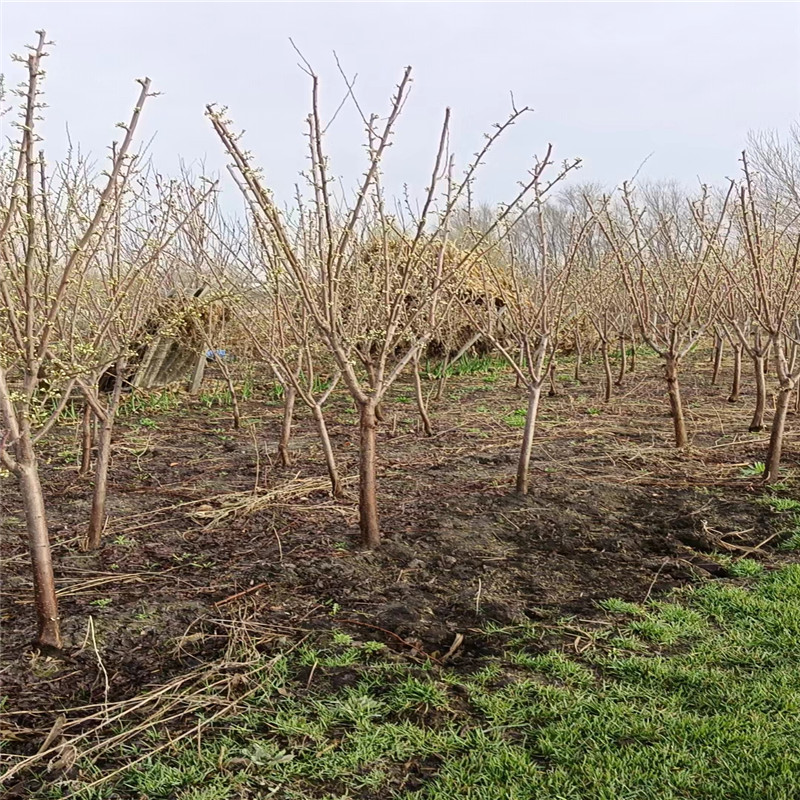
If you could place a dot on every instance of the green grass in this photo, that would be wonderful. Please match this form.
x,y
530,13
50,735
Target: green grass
x,y
695,696
468,365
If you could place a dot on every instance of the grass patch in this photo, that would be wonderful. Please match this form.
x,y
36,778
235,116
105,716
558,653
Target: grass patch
x,y
696,696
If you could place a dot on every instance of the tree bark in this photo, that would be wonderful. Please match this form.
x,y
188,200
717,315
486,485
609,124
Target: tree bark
x,y
719,344
675,403
44,587
623,360
423,411
327,449
632,366
776,434
289,396
737,373
607,369
86,440
578,354
367,478
534,392
757,423
97,518
551,375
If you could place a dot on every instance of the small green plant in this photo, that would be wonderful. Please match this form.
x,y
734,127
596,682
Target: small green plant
x,y
101,602
124,541
147,422
516,419
779,504
756,469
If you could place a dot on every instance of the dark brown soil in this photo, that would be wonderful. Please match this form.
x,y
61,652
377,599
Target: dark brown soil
x,y
613,511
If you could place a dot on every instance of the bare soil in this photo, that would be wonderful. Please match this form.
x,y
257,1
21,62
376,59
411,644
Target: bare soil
x,y
614,511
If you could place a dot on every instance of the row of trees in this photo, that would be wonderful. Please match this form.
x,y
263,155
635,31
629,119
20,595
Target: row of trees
x,y
351,290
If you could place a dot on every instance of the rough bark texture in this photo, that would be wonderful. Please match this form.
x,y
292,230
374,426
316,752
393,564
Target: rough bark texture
x,y
777,433
675,402
534,392
327,449
423,411
97,519
44,588
86,440
719,345
367,480
623,361
289,396
736,381
759,365
607,369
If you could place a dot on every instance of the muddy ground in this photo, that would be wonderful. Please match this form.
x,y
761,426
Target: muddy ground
x,y
613,511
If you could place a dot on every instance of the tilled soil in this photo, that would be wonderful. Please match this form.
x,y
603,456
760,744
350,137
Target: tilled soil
x,y
613,511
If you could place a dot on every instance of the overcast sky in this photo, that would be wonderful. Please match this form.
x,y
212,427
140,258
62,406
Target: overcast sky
x,y
609,82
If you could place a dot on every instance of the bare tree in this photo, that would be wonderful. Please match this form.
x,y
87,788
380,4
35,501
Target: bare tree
x,y
673,283
36,292
373,288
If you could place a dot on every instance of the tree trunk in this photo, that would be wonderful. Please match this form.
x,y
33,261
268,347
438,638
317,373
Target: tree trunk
x,y
327,449
578,355
737,373
551,375
623,360
632,366
289,395
534,392
607,370
367,478
757,423
719,344
423,411
371,371
675,403
86,440
97,519
776,434
44,586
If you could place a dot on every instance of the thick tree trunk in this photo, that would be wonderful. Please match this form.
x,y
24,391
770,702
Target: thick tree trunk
x,y
289,396
423,411
86,440
675,403
719,346
757,423
534,392
737,373
623,360
97,518
367,476
607,370
327,449
44,587
776,434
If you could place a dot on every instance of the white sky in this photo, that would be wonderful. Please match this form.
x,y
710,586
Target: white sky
x,y
609,82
